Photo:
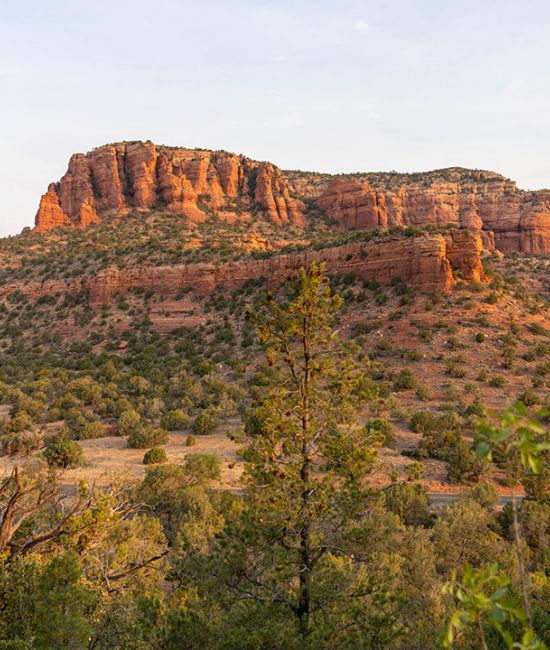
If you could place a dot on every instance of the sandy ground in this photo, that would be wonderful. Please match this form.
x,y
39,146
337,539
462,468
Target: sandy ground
x,y
110,458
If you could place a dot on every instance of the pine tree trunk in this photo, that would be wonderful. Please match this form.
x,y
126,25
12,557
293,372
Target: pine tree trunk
x,y
304,599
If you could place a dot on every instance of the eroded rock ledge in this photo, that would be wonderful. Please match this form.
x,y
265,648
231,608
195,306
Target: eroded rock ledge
x,y
430,262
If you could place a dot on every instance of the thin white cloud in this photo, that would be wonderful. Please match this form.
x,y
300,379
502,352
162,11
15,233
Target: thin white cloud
x,y
361,26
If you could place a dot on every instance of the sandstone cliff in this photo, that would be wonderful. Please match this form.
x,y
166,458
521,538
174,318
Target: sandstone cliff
x,y
118,178
427,262
505,217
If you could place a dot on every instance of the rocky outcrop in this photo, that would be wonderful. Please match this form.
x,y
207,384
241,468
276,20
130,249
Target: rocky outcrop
x,y
505,217
427,262
118,178
51,214
272,193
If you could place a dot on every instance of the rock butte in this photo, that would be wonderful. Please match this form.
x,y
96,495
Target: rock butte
x,y
117,178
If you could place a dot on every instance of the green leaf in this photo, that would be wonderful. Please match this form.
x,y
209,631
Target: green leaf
x,y
535,463
483,449
498,614
498,595
520,407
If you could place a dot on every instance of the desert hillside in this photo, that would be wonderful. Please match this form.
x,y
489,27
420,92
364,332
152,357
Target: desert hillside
x,y
242,407
144,259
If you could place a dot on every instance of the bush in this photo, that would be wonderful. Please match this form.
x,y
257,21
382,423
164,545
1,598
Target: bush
x,y
508,356
423,393
147,436
422,421
439,433
456,370
62,452
19,422
415,354
483,375
480,337
497,381
542,369
410,502
464,464
92,430
190,441
174,420
538,329
404,380
485,494
415,471
154,456
477,407
128,422
529,398
24,442
384,429
206,421
454,343
204,467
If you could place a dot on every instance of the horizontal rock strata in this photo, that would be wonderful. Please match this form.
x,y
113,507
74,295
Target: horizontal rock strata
x,y
505,217
430,262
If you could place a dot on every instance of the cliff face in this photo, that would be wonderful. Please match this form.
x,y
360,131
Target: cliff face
x,y
115,179
427,262
506,218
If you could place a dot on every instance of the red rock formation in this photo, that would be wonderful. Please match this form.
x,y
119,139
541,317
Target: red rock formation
x,y
272,194
115,179
427,262
505,217
50,214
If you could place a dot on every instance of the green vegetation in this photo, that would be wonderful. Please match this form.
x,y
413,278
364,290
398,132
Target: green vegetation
x,y
147,436
154,456
205,467
174,420
206,421
62,452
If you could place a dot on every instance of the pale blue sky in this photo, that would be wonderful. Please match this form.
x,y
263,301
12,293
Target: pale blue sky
x,y
349,85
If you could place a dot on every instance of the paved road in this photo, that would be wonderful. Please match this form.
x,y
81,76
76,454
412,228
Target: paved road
x,y
443,498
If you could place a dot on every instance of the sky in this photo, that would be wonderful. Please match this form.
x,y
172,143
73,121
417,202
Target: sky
x,y
334,86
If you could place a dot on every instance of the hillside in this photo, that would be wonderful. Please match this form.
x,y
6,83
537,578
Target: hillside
x,y
135,280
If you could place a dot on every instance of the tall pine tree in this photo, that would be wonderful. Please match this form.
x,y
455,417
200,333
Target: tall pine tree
x,y
289,555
